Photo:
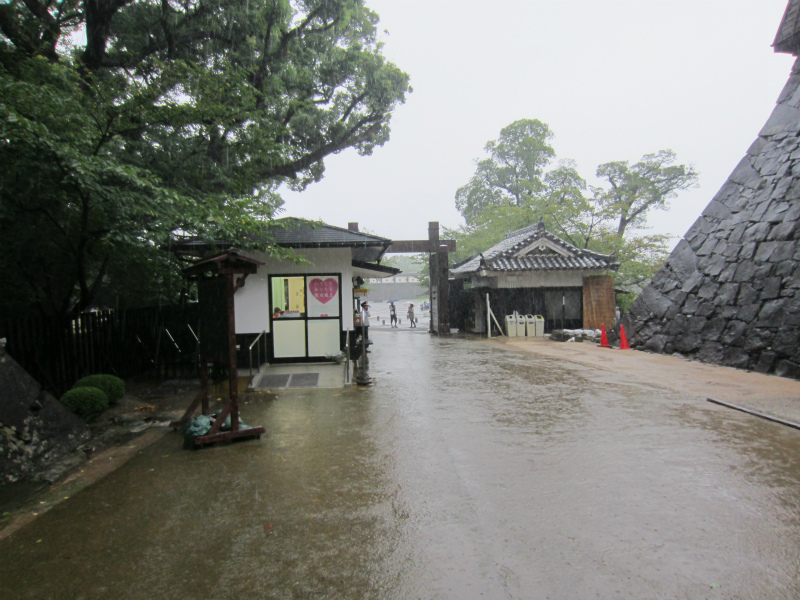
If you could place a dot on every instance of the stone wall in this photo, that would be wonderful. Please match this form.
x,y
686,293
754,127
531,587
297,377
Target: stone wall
x,y
36,430
729,293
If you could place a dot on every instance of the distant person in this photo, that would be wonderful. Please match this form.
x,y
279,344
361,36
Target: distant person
x,y
410,315
365,323
392,315
276,314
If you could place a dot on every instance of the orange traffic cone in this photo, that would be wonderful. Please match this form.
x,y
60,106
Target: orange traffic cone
x,y
603,338
623,340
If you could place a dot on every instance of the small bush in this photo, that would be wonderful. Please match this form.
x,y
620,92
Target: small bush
x,y
85,401
113,386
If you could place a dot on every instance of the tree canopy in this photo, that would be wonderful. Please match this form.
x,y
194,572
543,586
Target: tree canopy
x,y
521,181
172,116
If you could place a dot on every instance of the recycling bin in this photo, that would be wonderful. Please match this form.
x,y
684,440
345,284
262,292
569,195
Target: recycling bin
x,y
520,324
536,325
511,325
530,325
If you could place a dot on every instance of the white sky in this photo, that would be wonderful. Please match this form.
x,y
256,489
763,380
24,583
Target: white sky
x,y
614,79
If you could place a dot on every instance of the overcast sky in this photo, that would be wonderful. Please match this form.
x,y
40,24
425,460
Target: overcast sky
x,y
614,79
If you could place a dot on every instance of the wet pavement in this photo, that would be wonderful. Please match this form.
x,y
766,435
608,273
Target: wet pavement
x,y
469,470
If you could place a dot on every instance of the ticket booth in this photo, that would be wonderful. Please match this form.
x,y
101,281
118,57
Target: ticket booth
x,y
306,315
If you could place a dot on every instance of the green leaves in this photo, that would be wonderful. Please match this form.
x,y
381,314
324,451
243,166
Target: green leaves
x,y
174,117
512,189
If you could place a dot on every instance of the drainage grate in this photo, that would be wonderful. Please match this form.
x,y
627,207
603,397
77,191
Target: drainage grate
x,y
302,380
274,381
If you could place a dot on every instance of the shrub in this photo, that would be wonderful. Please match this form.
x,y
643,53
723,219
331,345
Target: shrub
x,y
85,401
112,385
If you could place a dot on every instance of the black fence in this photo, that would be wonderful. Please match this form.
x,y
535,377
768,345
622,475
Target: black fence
x,y
127,343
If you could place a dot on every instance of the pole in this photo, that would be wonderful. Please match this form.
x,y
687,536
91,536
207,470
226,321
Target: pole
x,y
488,317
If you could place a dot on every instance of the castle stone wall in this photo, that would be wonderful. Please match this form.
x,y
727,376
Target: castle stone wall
x,y
729,293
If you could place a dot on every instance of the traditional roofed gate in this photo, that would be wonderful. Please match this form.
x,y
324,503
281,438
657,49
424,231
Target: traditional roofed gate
x,y
439,268
535,272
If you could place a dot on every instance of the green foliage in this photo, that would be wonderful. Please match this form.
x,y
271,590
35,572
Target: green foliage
x,y
85,402
174,117
112,386
512,189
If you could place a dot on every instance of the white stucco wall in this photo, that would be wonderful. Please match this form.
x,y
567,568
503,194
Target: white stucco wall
x,y
251,302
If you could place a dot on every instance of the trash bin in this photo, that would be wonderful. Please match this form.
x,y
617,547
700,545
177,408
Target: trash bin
x,y
530,325
538,325
511,325
520,324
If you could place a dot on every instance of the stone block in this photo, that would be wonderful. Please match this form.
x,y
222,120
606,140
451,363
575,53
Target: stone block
x,y
655,343
710,352
771,289
686,342
726,294
770,314
782,251
763,271
783,231
690,305
756,339
748,312
785,341
734,332
786,368
692,282
713,328
736,357
745,271
765,362
784,118
708,246
683,260
717,210
744,174
728,273
776,211
756,232
708,290
706,308
657,302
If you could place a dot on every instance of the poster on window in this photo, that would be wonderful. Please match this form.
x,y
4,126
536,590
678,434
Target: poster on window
x,y
322,296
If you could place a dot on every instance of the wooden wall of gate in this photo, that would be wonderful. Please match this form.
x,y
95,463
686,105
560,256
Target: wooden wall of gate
x,y
437,250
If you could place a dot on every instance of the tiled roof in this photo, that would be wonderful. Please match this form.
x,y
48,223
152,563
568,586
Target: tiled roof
x,y
299,234
295,233
506,255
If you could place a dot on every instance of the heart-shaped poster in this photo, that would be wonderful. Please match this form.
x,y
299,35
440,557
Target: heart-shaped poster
x,y
323,289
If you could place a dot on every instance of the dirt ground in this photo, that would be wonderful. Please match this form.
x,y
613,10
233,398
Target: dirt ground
x,y
778,397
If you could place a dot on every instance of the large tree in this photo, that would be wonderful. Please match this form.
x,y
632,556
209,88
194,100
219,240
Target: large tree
x,y
512,173
172,116
610,217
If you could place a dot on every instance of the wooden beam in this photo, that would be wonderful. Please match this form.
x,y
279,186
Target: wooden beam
x,y
412,246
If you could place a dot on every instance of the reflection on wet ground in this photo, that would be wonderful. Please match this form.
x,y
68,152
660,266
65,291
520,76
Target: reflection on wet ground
x,y
466,471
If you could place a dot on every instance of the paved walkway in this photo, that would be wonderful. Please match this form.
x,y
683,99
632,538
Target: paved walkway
x,y
470,469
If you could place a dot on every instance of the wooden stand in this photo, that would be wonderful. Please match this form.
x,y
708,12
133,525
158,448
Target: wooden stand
x,y
218,340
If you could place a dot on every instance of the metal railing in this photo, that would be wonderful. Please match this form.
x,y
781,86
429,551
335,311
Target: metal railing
x,y
255,341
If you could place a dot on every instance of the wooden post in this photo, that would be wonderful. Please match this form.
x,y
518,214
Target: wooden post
x,y
440,287
233,371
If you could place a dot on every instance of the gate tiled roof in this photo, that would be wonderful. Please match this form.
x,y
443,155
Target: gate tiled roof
x,y
533,248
